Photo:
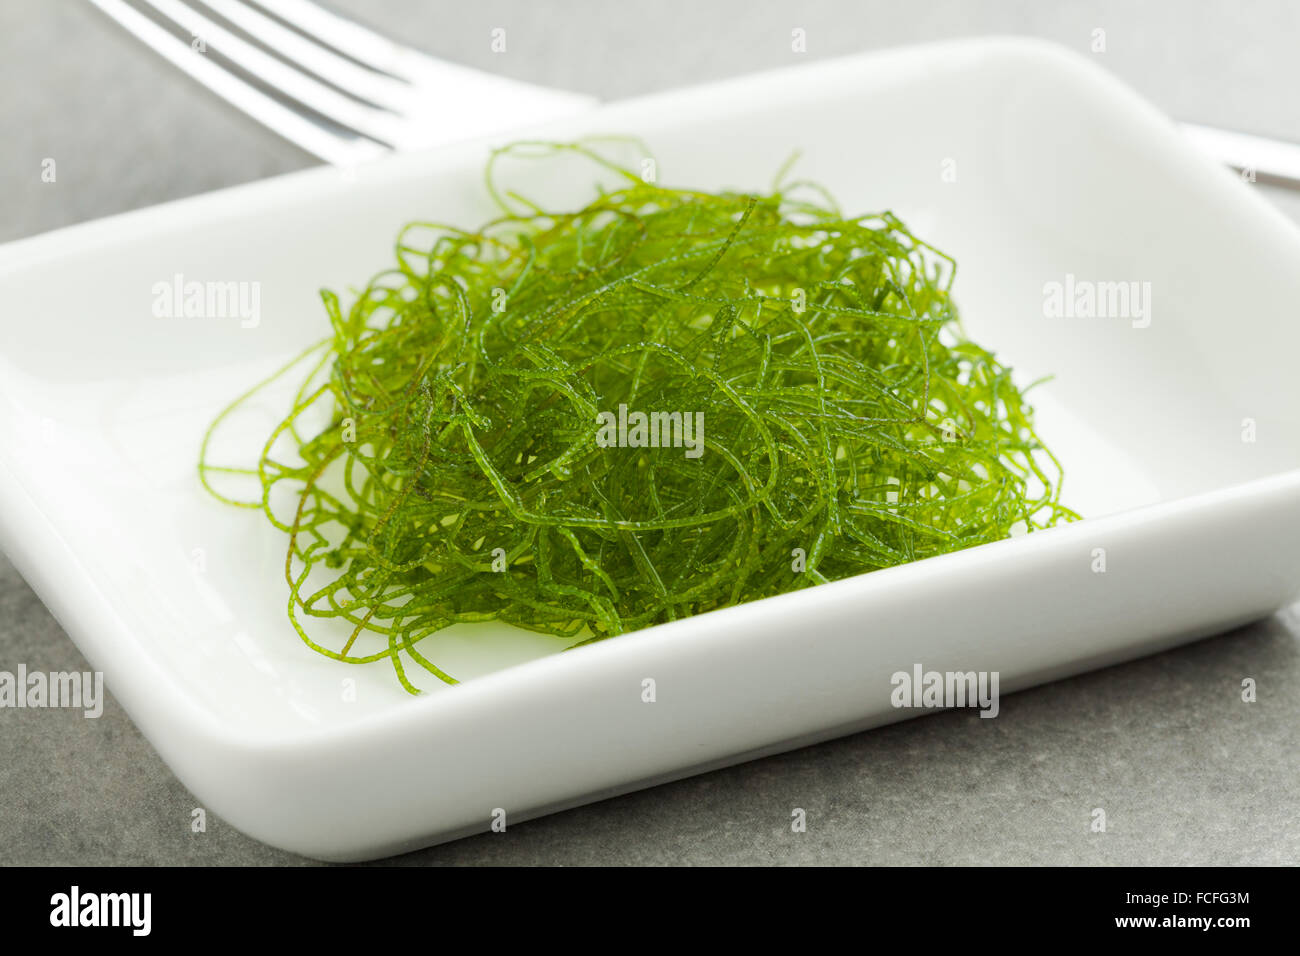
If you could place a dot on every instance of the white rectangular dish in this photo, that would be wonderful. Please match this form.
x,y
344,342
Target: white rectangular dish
x,y
1179,431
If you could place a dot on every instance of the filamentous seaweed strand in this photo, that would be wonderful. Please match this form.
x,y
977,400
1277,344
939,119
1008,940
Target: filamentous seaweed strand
x,y
803,407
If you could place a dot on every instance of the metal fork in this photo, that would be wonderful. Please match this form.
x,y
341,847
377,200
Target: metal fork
x,y
347,94
1269,161
336,89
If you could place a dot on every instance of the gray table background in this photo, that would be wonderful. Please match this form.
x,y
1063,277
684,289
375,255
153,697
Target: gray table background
x,y
1187,772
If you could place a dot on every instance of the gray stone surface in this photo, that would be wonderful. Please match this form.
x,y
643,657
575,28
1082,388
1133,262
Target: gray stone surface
x,y
1187,773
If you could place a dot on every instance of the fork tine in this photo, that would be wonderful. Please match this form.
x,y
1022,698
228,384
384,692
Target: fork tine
x,y
378,88
333,147
328,102
350,38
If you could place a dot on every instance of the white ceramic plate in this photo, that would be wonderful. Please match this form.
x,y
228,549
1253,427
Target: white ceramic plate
x,y
1059,169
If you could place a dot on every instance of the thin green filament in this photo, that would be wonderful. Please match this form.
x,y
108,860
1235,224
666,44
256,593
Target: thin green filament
x,y
455,471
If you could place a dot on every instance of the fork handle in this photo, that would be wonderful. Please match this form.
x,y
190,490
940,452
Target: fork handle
x,y
1265,160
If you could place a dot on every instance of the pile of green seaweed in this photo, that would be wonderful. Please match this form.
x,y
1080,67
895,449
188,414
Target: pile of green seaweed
x,y
667,402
